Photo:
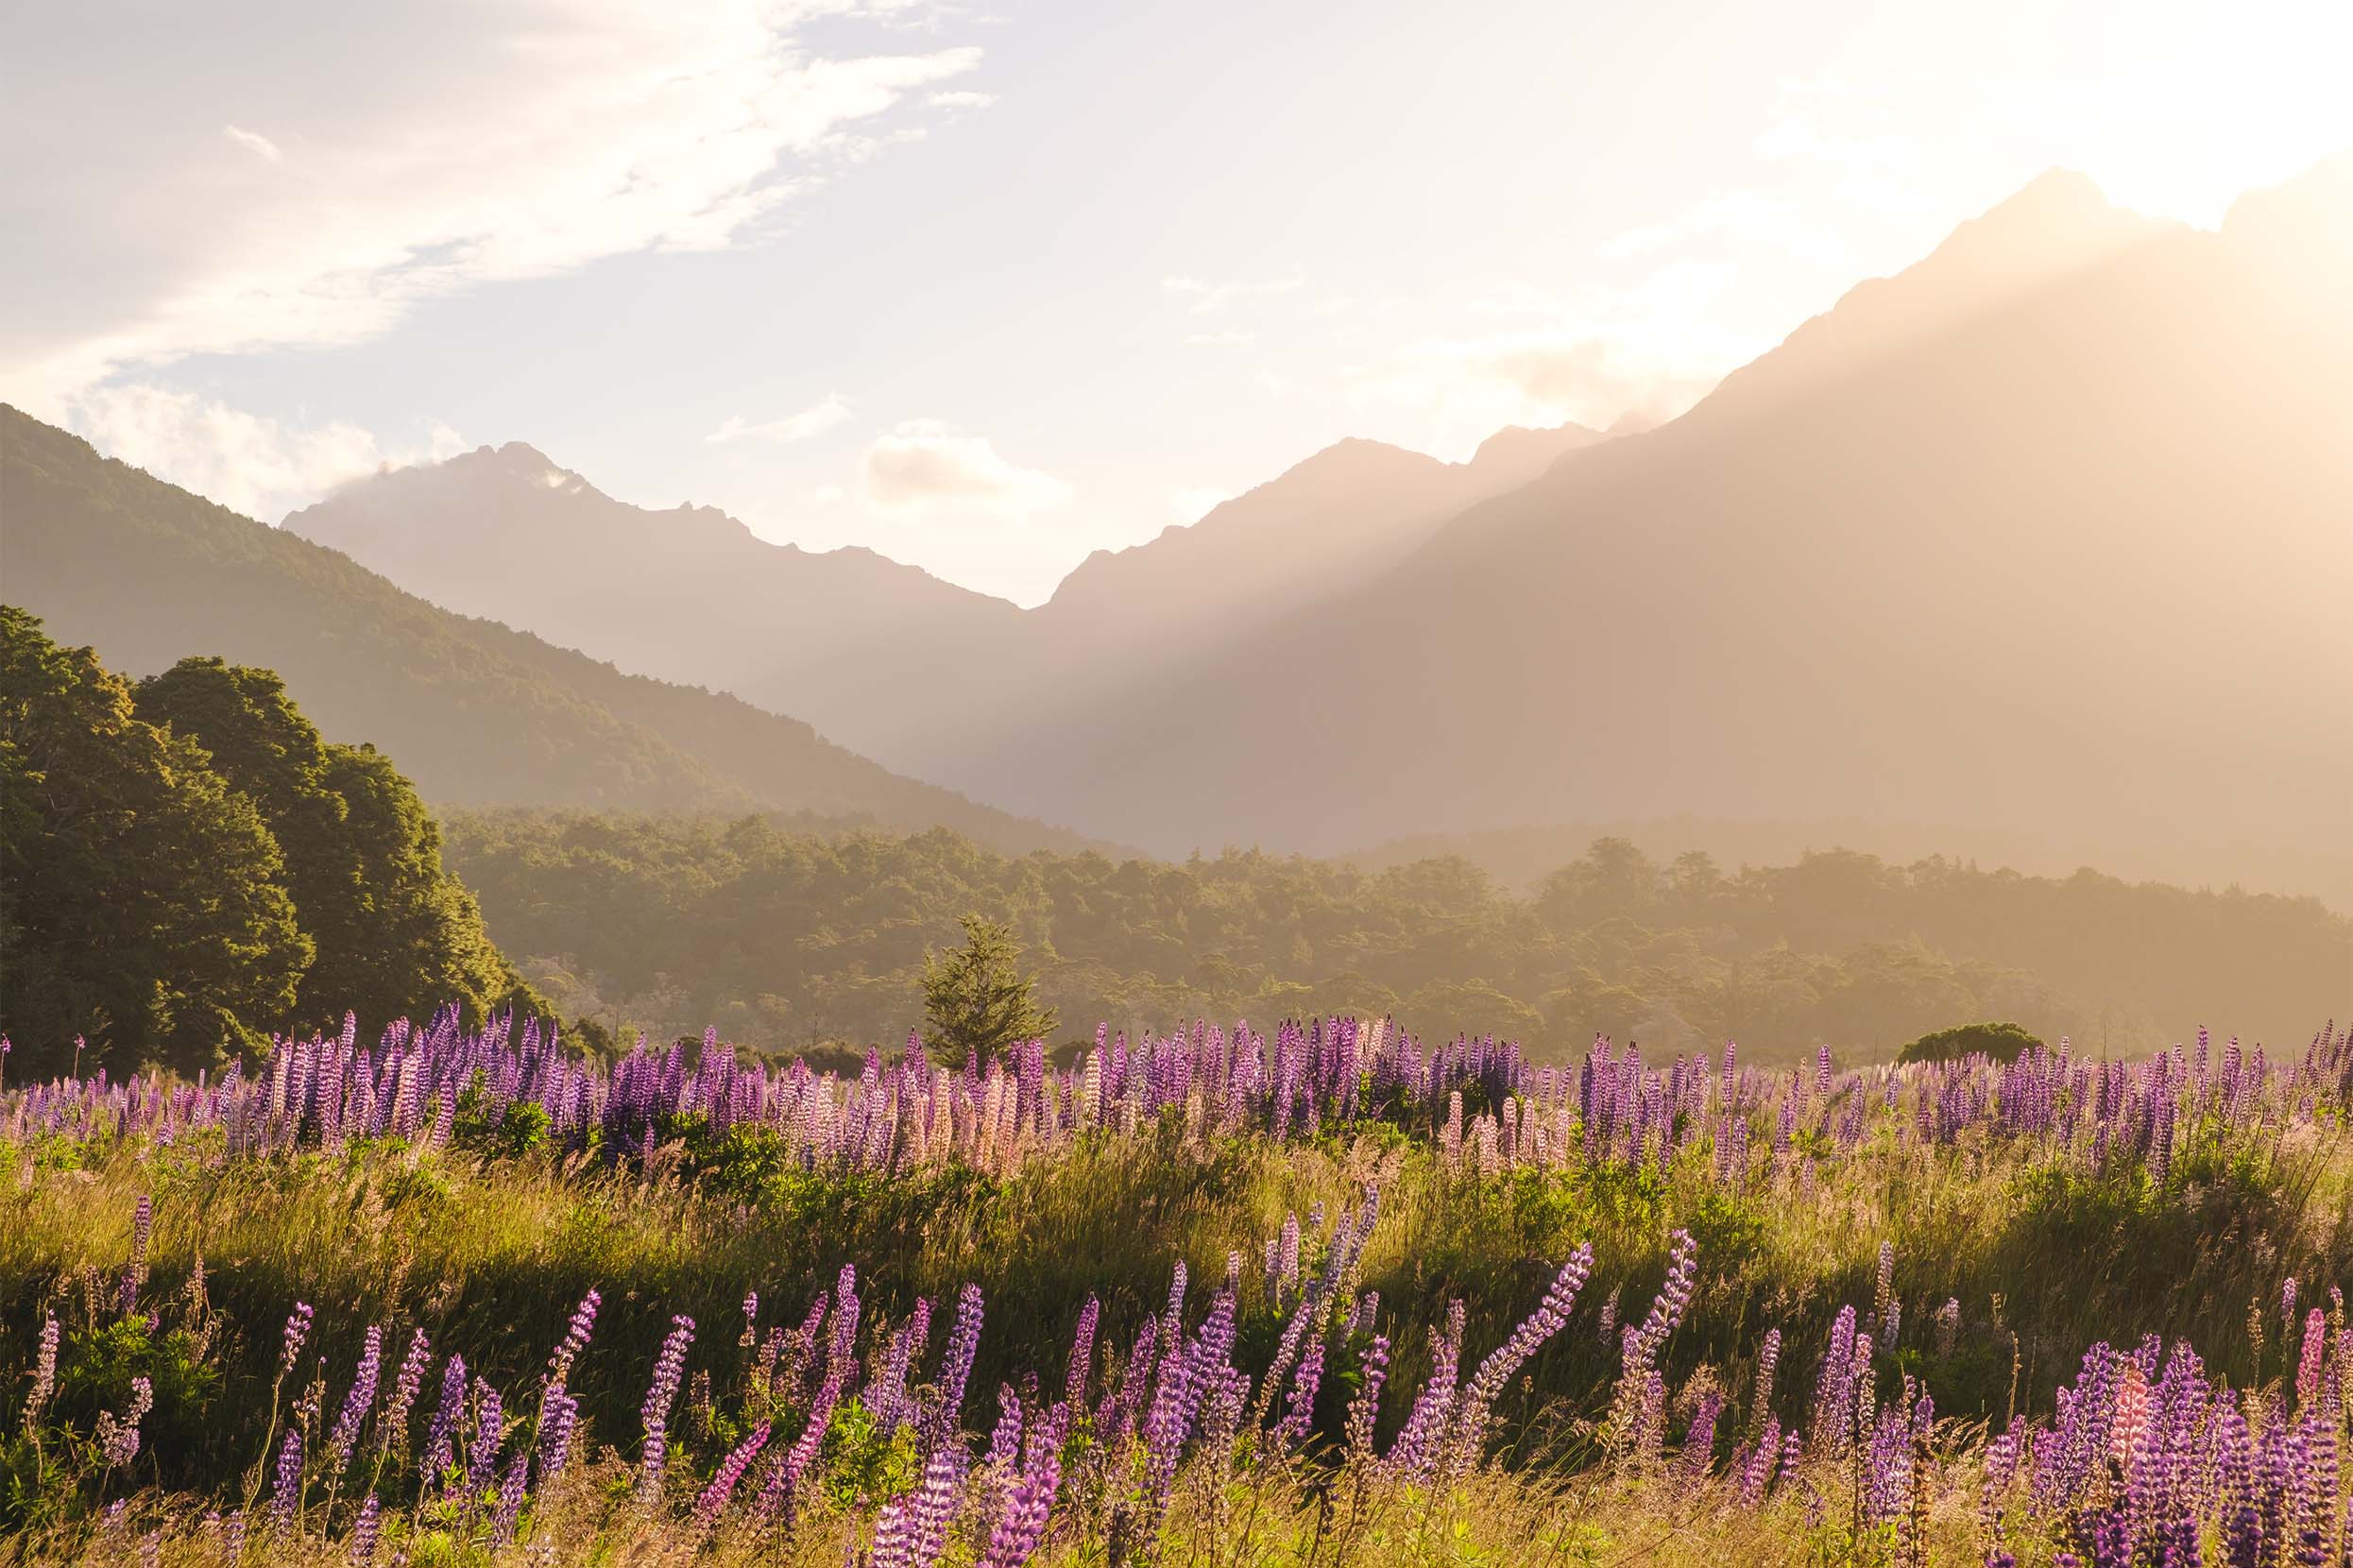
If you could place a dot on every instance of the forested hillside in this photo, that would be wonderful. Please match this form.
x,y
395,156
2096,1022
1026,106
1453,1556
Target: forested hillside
x,y
786,937
474,712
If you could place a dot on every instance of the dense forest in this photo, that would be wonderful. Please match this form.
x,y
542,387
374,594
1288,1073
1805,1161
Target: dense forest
x,y
786,935
186,867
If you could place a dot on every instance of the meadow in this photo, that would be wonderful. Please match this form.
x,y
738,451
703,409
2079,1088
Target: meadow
x,y
1323,1295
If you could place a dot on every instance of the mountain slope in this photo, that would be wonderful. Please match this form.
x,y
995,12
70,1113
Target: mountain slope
x,y
687,595
884,658
472,711
2049,533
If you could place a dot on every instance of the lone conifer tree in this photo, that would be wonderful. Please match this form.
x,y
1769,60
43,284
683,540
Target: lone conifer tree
x,y
976,1000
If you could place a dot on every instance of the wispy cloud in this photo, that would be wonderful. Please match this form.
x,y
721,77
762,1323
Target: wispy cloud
x,y
1207,297
813,421
1231,335
248,463
960,100
925,466
253,142
542,136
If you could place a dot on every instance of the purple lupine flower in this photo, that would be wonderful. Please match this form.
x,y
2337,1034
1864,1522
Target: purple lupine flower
x,y
356,1405
118,1435
963,1341
1699,1437
441,1436
393,1427
559,1417
510,1504
1022,1526
1300,1414
783,1479
364,1533
1769,1358
141,1227
1365,1410
575,1339
1470,1421
935,1505
481,1455
233,1537
287,1494
297,1335
44,1372
669,1367
1082,1351
713,1501
2309,1365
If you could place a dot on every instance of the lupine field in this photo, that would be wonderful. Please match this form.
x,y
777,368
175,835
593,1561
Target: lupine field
x,y
1328,1295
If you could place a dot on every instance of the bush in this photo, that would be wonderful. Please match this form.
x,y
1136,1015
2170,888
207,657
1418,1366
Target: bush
x,y
2001,1042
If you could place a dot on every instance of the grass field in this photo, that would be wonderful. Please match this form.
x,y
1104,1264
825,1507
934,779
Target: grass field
x,y
1817,1316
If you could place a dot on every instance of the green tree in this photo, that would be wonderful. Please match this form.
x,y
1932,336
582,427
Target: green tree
x,y
976,1000
395,933
2001,1042
141,900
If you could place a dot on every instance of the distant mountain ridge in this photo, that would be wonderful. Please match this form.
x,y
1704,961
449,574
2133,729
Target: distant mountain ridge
x,y
884,658
2055,541
474,712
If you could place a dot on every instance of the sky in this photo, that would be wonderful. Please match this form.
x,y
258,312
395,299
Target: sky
x,y
989,288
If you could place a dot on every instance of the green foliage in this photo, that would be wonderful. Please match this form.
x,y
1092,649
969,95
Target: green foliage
x,y
395,934
140,898
187,869
2001,1042
862,1465
787,937
976,1000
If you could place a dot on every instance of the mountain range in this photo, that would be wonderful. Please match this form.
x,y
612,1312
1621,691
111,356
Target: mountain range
x,y
473,710
2047,536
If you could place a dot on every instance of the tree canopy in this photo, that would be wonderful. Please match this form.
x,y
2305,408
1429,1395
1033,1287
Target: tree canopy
x,y
789,934
976,999
190,867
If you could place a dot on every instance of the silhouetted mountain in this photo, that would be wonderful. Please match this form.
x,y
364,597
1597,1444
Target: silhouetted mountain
x,y
687,595
885,657
2050,533
474,712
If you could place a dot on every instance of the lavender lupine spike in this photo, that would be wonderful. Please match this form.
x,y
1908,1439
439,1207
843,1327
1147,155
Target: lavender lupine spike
x,y
44,1372
286,1496
669,1367
1082,1351
118,1435
575,1339
393,1429
963,1341
441,1436
297,1335
363,1534
1551,1314
481,1453
510,1504
356,1405
1365,1410
1021,1528
713,1501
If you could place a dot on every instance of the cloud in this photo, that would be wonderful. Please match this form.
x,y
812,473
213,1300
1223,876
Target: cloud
x,y
960,100
1231,335
523,138
247,462
925,466
1207,298
253,142
813,421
